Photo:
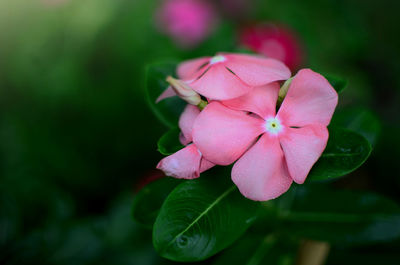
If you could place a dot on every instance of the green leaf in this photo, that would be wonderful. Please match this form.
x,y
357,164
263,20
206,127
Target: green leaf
x,y
258,250
200,218
338,83
167,110
148,201
344,153
340,217
169,143
360,120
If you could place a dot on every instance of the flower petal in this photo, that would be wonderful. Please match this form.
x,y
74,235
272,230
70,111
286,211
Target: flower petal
x,y
261,173
219,83
169,92
190,69
257,70
186,122
262,100
310,99
302,148
223,135
184,164
205,165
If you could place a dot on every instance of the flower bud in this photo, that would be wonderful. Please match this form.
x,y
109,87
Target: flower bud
x,y
283,91
184,91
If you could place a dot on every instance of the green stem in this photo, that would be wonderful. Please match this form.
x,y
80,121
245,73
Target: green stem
x,y
262,250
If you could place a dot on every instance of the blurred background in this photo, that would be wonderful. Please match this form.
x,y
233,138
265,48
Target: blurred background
x,y
77,139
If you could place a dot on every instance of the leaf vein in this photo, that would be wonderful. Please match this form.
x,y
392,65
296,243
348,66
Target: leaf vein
x,y
223,195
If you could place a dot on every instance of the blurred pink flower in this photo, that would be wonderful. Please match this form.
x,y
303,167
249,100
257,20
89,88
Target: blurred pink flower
x,y
188,162
229,75
188,22
274,41
271,150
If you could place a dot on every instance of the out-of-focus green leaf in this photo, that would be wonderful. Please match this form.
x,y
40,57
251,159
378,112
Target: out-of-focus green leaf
x,y
148,201
360,120
344,153
169,109
342,256
340,217
338,83
169,143
200,218
223,40
258,250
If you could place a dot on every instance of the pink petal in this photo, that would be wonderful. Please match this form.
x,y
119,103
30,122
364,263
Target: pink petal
x,y
261,173
205,165
310,99
184,164
186,122
257,70
169,92
262,100
220,84
223,135
190,69
184,140
302,148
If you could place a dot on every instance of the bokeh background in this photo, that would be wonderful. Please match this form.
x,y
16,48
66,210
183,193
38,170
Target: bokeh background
x,y
77,139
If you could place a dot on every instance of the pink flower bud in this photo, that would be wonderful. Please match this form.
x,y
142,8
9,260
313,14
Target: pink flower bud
x,y
184,91
188,22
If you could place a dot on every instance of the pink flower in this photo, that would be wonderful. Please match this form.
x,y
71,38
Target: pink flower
x,y
188,162
188,22
274,41
228,75
272,149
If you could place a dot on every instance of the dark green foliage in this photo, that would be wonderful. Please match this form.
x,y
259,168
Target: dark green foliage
x,y
344,153
169,143
148,201
167,110
340,217
338,84
200,218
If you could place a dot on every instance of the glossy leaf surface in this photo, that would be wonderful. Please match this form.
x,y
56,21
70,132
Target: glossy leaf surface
x,y
169,143
200,218
344,153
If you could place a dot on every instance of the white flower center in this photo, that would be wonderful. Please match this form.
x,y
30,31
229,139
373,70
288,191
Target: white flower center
x,y
217,59
273,125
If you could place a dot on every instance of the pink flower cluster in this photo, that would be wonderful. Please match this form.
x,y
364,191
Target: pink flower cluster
x,y
272,142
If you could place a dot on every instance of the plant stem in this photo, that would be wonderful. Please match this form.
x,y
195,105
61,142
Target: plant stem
x,y
312,252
